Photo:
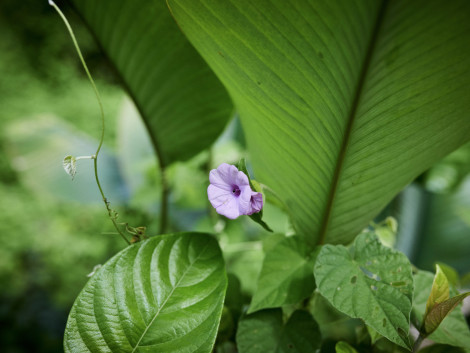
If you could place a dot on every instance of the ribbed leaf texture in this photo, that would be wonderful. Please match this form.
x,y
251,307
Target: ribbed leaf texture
x,y
183,104
343,103
162,295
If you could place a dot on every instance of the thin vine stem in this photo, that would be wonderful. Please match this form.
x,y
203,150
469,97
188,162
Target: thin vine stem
x,y
111,213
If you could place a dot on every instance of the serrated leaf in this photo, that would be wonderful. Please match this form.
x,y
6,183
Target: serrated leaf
x,y
453,330
286,276
369,281
344,347
264,331
343,103
439,290
439,312
140,300
70,165
183,104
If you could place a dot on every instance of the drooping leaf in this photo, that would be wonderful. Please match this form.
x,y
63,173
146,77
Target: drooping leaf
x,y
264,331
343,103
344,347
453,330
286,276
181,101
141,299
369,281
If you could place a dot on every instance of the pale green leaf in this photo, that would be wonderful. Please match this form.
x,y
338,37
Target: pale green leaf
x,y
70,165
369,281
439,290
344,347
453,330
183,104
265,331
286,276
141,299
343,103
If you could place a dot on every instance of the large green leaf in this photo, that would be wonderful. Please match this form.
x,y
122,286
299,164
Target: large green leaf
x,y
165,294
369,281
183,104
265,331
286,276
343,102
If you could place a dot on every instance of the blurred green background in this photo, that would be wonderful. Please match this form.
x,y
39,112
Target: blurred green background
x,y
53,231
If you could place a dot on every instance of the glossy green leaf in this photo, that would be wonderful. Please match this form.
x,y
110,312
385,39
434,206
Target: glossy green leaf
x,y
343,103
286,276
453,330
369,281
344,347
183,104
141,299
439,290
265,331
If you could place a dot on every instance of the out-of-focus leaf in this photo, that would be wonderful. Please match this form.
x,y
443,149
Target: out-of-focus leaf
x,y
343,103
344,347
453,330
286,276
183,104
364,280
141,299
264,331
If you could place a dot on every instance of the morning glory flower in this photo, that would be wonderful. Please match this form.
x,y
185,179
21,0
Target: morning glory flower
x,y
230,193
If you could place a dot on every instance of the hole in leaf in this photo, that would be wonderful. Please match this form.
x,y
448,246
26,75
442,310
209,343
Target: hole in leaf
x,y
373,287
370,274
354,279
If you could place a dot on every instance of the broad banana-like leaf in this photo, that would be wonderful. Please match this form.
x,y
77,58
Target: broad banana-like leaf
x,y
343,102
182,102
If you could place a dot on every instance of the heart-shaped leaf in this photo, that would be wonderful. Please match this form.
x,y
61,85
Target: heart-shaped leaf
x,y
286,276
159,295
369,281
343,103
183,104
265,331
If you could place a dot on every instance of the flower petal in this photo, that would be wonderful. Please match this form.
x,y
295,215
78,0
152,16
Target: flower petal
x,y
223,201
256,202
244,200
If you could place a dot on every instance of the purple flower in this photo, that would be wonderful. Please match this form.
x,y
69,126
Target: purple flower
x,y
230,192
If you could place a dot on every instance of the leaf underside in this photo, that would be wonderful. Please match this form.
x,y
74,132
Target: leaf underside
x,y
343,103
141,300
183,104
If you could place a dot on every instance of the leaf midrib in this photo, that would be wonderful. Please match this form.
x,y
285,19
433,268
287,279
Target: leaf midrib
x,y
351,117
167,298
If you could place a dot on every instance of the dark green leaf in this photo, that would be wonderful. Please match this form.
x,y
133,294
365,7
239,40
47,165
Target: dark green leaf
x,y
343,103
264,332
286,276
182,102
369,281
141,299
440,311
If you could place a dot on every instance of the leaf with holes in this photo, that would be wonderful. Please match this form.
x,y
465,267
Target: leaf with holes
x,y
343,103
159,295
369,281
183,104
453,329
265,331
286,276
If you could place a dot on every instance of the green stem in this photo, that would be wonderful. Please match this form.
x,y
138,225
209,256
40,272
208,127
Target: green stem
x,y
418,342
111,213
164,202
